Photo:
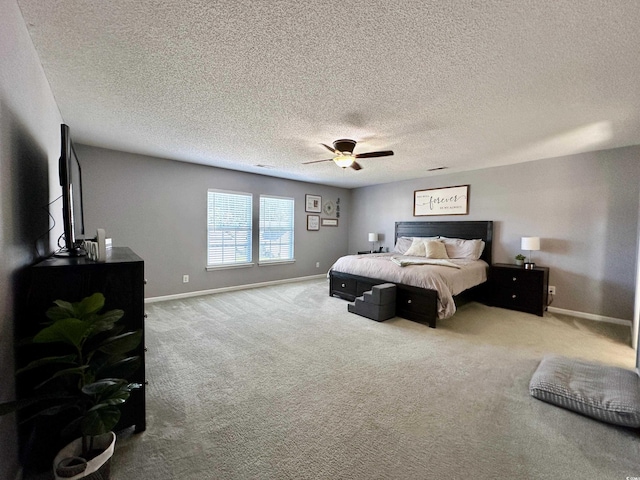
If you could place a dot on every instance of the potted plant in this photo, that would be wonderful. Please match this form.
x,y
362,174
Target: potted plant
x,y
81,375
520,259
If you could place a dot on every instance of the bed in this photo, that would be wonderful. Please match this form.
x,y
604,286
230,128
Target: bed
x,y
416,299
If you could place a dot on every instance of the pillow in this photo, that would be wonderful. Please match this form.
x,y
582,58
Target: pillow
x,y
606,393
435,249
460,248
402,245
417,248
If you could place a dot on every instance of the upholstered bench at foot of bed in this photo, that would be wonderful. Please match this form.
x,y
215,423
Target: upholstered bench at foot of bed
x,y
606,393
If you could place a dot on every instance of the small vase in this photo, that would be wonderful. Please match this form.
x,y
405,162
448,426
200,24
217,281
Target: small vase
x,y
519,262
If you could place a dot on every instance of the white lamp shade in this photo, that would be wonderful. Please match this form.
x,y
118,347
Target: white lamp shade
x,y
373,237
530,243
344,161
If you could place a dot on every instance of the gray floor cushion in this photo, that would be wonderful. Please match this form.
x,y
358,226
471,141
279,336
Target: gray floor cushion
x,y
610,394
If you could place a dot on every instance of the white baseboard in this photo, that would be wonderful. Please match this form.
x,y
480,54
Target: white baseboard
x,y
199,293
590,316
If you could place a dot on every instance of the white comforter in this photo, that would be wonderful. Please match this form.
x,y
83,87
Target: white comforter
x,y
446,280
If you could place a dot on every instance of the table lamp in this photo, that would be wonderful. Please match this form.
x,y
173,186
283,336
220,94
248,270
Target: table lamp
x,y
531,244
373,238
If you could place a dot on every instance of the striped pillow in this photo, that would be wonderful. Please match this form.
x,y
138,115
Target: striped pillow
x,y
606,393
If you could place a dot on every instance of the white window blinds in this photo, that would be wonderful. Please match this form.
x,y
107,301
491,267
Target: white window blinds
x,y
276,228
229,216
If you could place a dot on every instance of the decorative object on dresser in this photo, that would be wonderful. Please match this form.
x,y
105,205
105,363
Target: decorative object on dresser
x,y
373,238
441,201
519,289
120,278
520,259
418,303
531,244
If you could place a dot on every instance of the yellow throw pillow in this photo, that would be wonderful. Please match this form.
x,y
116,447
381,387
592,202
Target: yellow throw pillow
x,y
435,250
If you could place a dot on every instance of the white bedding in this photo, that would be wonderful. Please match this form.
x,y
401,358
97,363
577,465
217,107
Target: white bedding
x,y
447,281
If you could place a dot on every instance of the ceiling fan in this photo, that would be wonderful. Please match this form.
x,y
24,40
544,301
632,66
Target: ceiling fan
x,y
344,157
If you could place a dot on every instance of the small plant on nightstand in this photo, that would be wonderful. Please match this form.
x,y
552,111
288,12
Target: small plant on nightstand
x,y
520,259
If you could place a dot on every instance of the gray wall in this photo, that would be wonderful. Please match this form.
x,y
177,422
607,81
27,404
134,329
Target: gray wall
x,y
29,150
158,208
584,207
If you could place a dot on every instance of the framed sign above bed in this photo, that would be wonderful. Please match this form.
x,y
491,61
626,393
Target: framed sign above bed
x,y
441,201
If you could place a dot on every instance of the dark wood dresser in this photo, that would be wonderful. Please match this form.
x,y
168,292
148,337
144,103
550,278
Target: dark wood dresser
x,y
120,279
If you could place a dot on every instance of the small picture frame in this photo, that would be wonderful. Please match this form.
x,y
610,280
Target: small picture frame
x,y
313,203
313,222
329,222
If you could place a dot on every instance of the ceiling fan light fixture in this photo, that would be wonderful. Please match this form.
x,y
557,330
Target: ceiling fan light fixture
x,y
344,161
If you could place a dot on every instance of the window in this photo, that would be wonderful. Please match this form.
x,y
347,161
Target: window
x,y
228,228
276,229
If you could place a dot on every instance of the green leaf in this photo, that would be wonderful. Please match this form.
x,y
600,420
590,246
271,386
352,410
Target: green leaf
x,y
90,305
101,420
106,322
121,369
116,400
71,331
100,387
60,402
61,310
64,359
63,373
122,343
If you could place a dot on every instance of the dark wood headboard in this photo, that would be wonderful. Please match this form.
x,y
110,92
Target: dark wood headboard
x,y
470,230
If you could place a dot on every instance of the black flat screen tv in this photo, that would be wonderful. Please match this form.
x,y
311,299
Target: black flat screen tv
x,y
72,208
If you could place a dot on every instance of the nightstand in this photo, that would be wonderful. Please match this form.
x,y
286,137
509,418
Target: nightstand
x,y
515,288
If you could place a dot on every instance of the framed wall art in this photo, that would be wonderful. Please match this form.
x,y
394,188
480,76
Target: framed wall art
x,y
441,201
313,203
313,222
329,222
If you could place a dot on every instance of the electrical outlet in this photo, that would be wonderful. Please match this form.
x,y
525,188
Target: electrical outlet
x,y
552,290
185,278
317,264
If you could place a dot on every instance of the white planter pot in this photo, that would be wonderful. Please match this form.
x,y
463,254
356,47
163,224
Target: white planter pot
x,y
104,442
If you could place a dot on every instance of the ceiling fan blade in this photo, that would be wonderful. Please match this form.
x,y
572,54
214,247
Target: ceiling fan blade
x,y
384,153
332,150
356,166
318,161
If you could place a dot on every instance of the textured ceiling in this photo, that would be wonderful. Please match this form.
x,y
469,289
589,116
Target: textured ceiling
x,y
236,84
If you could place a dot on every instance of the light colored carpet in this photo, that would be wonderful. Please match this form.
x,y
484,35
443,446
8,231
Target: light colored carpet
x,y
283,383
